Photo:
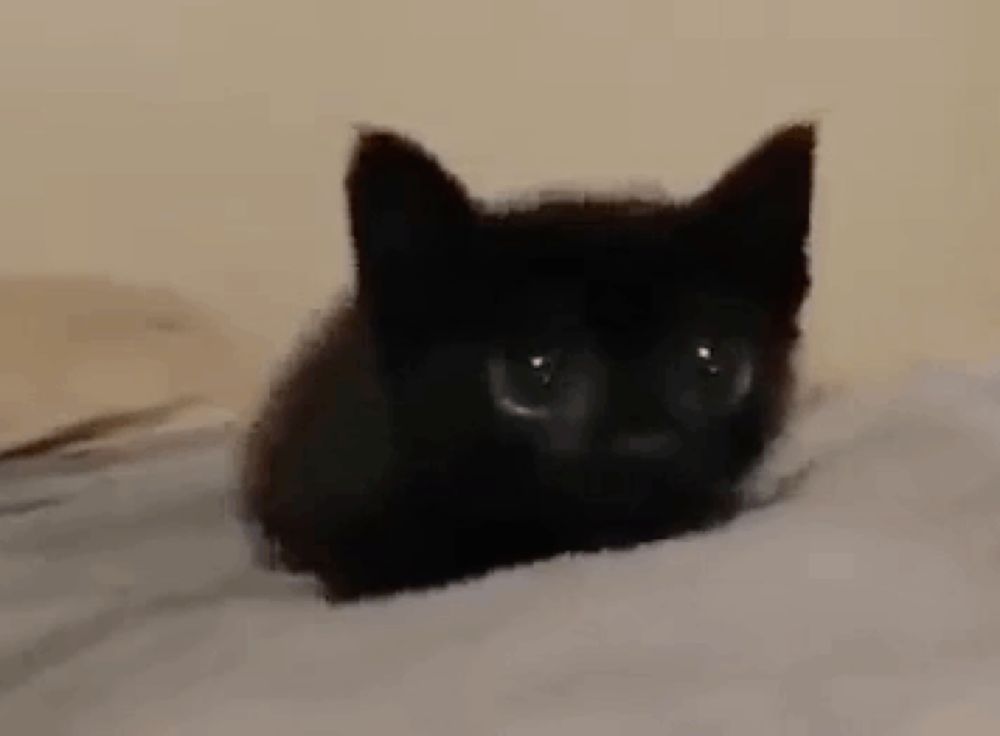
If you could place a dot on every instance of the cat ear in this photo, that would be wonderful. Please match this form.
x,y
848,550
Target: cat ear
x,y
760,212
403,205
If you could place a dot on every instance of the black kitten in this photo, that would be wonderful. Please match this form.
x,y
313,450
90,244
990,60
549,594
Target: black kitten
x,y
508,383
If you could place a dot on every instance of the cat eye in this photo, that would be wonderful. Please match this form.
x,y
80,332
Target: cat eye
x,y
715,375
523,381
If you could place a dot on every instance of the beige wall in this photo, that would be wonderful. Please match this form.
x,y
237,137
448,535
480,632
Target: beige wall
x,y
198,144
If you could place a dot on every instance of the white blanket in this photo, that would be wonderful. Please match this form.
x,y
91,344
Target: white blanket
x,y
865,602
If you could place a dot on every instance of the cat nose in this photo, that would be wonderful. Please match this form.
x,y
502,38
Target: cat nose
x,y
644,444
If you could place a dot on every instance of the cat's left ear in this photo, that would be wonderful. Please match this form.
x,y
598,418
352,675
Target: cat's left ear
x,y
406,211
760,211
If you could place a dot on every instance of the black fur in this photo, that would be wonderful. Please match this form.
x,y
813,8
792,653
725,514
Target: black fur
x,y
509,382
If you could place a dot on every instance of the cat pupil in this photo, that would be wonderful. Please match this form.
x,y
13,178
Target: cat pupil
x,y
709,364
721,377
542,366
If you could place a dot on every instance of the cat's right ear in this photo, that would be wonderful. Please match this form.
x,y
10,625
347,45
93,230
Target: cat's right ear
x,y
404,207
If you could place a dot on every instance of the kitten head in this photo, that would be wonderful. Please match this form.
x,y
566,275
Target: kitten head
x,y
622,361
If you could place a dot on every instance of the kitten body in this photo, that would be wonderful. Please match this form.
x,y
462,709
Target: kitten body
x,y
513,381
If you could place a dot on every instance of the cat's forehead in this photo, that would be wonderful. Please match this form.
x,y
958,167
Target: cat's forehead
x,y
614,250
611,267
566,244
607,225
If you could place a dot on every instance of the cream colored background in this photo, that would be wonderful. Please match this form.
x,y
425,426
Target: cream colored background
x,y
197,146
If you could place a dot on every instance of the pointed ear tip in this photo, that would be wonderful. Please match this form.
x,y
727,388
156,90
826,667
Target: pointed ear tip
x,y
384,163
799,137
377,149
375,139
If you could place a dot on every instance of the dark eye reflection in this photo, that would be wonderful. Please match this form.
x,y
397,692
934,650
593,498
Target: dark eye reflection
x,y
524,380
713,376
706,377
